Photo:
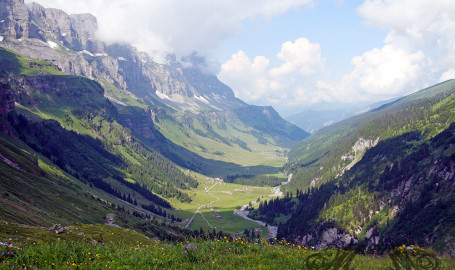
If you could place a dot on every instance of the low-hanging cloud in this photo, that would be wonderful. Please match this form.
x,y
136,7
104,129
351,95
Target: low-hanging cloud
x,y
160,27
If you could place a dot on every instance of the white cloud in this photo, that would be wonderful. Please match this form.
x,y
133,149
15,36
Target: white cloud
x,y
417,25
379,74
247,78
254,81
302,55
173,26
418,51
448,75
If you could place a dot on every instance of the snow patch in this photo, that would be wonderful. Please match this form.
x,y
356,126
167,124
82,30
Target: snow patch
x,y
1,38
201,98
100,54
162,96
122,58
64,35
87,52
217,97
2,21
52,44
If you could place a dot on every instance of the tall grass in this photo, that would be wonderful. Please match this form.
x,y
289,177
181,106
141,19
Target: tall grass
x,y
225,253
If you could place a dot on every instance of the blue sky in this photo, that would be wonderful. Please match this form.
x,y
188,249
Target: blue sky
x,y
293,54
333,24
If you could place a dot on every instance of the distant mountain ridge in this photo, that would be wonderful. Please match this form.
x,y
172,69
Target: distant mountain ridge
x,y
325,115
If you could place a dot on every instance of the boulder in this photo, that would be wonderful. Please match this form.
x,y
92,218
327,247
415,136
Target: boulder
x,y
57,228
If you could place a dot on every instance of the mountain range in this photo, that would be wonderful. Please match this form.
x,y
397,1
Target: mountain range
x,y
89,129
85,123
160,95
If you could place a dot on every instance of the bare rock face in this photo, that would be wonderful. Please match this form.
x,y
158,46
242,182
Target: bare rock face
x,y
6,106
76,32
14,18
141,122
6,100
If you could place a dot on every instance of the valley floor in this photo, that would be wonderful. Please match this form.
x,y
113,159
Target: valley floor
x,y
215,203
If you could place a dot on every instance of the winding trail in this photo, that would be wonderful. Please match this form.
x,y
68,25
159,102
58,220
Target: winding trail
x,y
273,230
205,205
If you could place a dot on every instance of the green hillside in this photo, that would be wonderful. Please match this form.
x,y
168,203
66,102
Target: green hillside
x,y
318,158
68,121
108,144
13,64
387,182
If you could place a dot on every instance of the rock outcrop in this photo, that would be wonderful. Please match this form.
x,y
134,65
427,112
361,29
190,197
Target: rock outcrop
x,y
330,237
57,228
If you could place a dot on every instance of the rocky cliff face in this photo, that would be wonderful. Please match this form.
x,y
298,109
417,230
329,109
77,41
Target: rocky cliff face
x,y
15,20
6,106
69,41
6,100
76,32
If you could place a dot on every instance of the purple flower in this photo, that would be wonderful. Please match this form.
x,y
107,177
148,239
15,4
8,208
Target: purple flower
x,y
190,246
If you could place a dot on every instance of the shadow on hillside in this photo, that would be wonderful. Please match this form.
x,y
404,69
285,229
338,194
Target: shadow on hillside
x,y
192,161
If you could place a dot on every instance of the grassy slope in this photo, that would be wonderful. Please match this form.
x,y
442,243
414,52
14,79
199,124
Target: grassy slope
x,y
400,190
35,191
122,249
75,94
319,156
13,65
30,191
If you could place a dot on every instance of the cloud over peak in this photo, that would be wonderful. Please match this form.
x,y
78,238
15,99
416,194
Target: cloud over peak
x,y
160,27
